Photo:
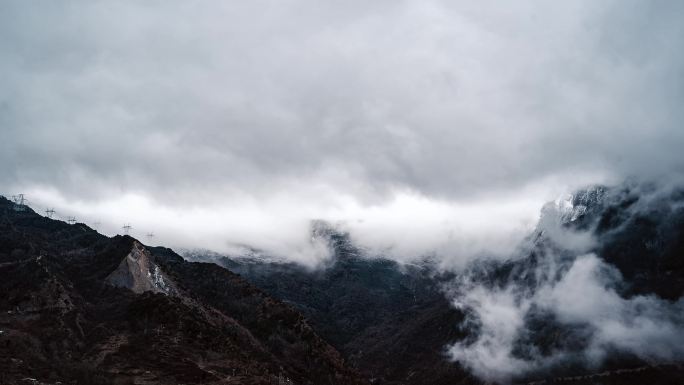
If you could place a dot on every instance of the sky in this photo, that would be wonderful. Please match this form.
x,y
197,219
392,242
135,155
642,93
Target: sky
x,y
419,126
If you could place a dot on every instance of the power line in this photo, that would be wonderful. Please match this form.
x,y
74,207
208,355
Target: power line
x,y
71,220
127,228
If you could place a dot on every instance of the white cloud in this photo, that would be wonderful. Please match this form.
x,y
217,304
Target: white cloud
x,y
584,296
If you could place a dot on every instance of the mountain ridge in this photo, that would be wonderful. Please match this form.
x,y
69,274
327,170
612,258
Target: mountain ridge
x,y
62,319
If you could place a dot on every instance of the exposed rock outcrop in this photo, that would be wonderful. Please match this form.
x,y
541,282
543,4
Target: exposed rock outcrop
x,y
138,272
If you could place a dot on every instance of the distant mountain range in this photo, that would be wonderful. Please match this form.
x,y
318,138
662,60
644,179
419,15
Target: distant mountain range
x,y
417,324
592,296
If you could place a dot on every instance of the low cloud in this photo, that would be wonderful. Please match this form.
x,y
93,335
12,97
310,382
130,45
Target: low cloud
x,y
405,228
583,300
564,306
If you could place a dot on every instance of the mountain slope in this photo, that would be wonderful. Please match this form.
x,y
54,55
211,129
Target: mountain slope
x,y
392,322
81,307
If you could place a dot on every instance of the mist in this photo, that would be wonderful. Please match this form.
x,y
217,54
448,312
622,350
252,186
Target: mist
x,y
563,286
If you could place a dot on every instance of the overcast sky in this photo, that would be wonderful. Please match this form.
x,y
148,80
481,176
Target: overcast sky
x,y
422,125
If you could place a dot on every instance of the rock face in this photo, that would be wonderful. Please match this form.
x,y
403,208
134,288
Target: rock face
x,y
139,273
572,207
77,307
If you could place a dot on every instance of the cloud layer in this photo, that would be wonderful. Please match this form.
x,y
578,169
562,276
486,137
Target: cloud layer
x,y
305,109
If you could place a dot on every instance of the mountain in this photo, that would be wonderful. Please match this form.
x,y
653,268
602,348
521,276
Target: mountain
x,y
415,324
637,230
390,321
594,295
80,307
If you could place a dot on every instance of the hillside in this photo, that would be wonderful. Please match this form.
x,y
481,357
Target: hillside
x,y
79,307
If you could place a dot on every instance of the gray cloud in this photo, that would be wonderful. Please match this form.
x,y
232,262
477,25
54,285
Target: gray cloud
x,y
193,104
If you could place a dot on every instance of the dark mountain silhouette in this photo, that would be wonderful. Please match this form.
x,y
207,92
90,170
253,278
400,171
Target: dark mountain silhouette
x,y
79,307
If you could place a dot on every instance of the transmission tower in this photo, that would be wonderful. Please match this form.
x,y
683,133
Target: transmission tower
x,y
49,213
150,235
71,220
19,202
126,228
